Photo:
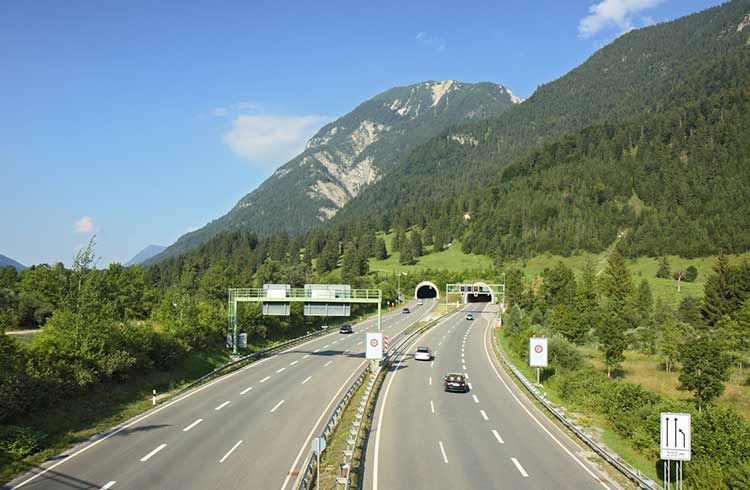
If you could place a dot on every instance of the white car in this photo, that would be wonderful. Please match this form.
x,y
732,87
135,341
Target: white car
x,y
423,354
420,302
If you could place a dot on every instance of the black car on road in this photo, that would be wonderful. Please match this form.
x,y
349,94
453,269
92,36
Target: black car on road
x,y
455,382
346,328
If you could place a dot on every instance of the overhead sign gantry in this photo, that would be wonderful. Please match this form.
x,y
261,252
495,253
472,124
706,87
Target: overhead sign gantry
x,y
318,299
496,292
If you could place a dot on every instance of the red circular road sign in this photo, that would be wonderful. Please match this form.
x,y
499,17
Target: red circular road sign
x,y
374,342
538,349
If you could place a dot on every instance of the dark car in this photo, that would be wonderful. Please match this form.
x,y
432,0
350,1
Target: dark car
x,y
405,311
455,382
346,328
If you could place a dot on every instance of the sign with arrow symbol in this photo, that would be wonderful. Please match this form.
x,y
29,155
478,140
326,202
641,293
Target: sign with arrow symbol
x,y
675,436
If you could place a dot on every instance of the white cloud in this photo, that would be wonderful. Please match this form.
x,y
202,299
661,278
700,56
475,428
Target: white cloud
x,y
618,13
84,225
430,41
243,106
271,140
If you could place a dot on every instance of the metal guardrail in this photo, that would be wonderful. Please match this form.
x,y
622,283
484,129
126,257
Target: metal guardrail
x,y
400,341
632,474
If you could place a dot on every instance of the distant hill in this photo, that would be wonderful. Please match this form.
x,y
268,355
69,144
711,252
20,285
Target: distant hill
x,y
348,155
145,254
7,261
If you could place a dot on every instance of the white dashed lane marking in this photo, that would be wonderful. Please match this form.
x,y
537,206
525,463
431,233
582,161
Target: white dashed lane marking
x,y
520,468
222,405
152,453
192,425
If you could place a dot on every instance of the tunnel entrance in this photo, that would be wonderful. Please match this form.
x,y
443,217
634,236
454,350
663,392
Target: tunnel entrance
x,y
478,297
426,290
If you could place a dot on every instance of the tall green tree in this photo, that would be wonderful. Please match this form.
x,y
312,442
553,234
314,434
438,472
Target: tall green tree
x,y
720,294
705,368
617,316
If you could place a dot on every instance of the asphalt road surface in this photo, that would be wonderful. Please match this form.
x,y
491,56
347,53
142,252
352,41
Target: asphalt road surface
x,y
491,437
248,429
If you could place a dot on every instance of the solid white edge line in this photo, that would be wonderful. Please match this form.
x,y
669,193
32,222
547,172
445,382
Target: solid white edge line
x,y
307,379
382,409
149,455
442,450
484,415
497,436
528,412
230,451
172,402
109,485
277,406
520,468
222,405
192,425
246,390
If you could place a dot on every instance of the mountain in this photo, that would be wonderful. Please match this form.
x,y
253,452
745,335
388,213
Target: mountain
x,y
145,254
634,75
8,262
351,153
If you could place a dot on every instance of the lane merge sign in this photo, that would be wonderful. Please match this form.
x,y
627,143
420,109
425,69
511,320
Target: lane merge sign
x,y
537,352
374,345
675,436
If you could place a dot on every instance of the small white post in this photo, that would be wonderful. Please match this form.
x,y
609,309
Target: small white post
x,y
317,483
153,398
537,375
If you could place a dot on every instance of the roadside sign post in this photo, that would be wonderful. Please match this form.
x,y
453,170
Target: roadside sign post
x,y
318,446
675,445
538,355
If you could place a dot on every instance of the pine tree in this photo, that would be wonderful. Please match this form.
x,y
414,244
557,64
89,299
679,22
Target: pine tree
x,y
407,254
329,256
720,296
664,271
381,252
350,263
416,244
617,318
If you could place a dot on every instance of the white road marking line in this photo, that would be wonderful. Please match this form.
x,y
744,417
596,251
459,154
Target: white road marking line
x,y
360,342
334,341
442,450
246,390
432,363
346,351
432,406
464,365
520,468
222,405
149,455
230,451
265,379
476,400
439,344
435,353
327,364
326,346
280,370
430,380
277,406
109,485
306,356
484,415
316,350
192,425
528,412
307,379
497,436
470,387
293,363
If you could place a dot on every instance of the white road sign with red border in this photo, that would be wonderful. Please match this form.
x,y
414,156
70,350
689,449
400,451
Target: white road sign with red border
x,y
374,345
537,352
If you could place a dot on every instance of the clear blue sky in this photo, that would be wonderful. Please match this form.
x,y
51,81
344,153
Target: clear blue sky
x,y
138,121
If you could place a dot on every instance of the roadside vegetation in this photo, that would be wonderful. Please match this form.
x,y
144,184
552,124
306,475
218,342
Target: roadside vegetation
x,y
618,358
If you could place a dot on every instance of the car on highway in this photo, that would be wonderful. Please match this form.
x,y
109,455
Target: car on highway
x,y
405,311
420,302
423,354
455,382
346,328
469,316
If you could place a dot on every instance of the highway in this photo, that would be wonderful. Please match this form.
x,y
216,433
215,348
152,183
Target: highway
x,y
248,429
490,437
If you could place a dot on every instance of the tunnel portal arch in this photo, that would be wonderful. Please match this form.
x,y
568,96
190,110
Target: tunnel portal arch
x,y
426,290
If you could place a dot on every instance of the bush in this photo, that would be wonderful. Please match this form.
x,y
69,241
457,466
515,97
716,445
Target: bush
x,y
20,442
563,355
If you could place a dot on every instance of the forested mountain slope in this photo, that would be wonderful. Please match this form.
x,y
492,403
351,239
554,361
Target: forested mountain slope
x,y
349,154
633,75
